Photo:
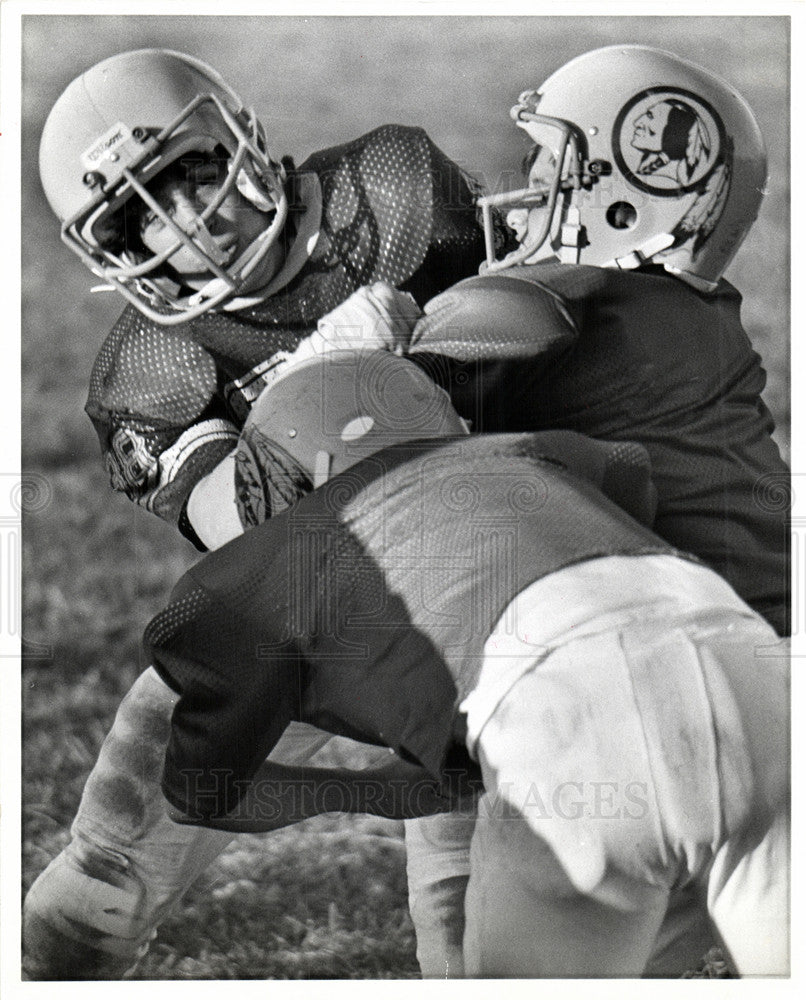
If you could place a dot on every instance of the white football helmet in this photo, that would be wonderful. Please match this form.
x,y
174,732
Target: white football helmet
x,y
109,135
638,156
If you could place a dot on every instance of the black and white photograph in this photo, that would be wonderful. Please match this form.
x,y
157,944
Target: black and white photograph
x,y
400,554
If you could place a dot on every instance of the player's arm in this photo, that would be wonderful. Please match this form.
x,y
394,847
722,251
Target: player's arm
x,y
376,317
160,420
158,468
216,771
282,794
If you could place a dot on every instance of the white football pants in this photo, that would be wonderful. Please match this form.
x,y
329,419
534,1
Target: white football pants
x,y
631,722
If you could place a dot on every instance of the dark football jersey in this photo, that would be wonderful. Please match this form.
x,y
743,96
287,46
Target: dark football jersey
x,y
394,209
631,355
364,608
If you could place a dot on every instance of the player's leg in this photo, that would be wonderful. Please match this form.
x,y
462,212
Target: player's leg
x,y
525,918
725,805
566,871
748,883
95,908
438,867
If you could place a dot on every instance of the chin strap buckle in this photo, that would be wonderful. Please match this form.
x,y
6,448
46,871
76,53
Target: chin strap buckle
x,y
572,237
644,253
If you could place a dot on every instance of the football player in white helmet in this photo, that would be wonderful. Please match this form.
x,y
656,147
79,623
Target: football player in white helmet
x,y
227,257
613,317
638,157
164,186
472,598
123,165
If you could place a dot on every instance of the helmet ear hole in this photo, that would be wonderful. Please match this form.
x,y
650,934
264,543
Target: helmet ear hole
x,y
621,215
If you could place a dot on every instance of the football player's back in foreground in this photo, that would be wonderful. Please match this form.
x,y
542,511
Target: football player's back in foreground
x,y
457,597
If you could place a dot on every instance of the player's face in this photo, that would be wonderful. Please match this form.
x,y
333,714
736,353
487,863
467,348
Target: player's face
x,y
184,193
540,166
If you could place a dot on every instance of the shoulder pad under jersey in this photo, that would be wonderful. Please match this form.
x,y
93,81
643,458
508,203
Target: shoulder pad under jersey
x,y
493,316
155,374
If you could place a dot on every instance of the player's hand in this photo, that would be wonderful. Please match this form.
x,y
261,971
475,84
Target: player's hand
x,y
376,317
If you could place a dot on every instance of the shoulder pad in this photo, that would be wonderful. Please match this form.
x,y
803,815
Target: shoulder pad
x,y
491,316
158,375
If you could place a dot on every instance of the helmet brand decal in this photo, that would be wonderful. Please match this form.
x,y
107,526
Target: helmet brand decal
x,y
667,141
105,145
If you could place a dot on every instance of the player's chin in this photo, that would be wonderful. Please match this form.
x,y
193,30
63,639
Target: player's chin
x,y
191,282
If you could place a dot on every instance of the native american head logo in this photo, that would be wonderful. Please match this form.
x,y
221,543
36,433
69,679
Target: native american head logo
x,y
670,143
667,141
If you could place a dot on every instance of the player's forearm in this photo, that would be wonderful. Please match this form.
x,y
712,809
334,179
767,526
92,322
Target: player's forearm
x,y
159,470
281,794
212,509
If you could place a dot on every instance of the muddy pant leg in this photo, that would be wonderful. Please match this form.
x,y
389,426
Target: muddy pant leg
x,y
95,908
438,867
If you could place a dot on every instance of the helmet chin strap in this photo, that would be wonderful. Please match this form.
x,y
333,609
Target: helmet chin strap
x,y
216,286
572,236
642,254
252,192
308,193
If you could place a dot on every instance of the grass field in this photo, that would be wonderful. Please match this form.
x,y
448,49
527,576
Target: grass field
x,y
326,899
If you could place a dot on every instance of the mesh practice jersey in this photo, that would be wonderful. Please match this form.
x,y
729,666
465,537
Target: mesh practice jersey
x,y
394,209
635,355
364,608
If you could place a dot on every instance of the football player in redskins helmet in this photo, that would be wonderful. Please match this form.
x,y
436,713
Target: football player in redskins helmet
x,y
645,174
613,319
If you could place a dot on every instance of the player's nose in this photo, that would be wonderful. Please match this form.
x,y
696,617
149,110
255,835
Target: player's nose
x,y
517,220
187,215
186,212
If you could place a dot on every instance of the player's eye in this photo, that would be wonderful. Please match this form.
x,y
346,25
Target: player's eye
x,y
205,174
150,221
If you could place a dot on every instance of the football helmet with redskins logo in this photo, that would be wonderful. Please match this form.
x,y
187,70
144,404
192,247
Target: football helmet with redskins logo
x,y
638,156
108,137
